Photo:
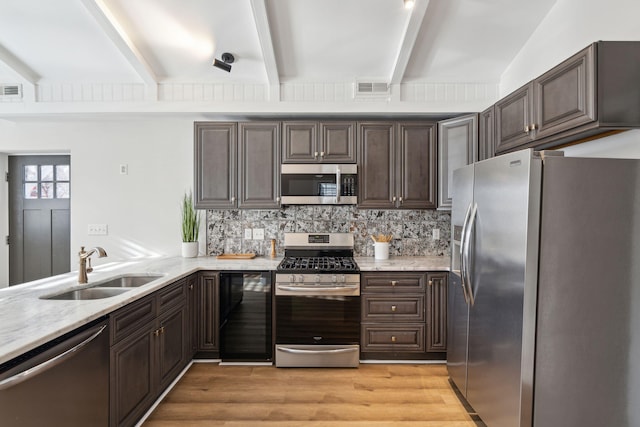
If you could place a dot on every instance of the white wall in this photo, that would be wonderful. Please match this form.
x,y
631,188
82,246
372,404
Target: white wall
x,y
570,26
4,222
141,209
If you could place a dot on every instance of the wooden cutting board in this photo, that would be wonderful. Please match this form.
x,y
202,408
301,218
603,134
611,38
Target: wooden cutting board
x,y
237,256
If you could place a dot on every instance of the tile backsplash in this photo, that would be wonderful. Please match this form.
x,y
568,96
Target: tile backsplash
x,y
412,229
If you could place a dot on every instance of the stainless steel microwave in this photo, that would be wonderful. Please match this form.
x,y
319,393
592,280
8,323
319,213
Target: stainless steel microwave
x,y
319,184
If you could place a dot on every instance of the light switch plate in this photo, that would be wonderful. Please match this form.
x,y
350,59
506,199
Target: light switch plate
x,y
247,234
97,230
258,234
436,234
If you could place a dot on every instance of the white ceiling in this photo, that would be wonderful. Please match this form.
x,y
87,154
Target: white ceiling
x,y
45,43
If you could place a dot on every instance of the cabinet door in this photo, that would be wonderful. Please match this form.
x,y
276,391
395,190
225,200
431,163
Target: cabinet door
x,y
208,318
457,142
300,142
486,134
173,344
376,159
565,95
133,380
337,142
215,165
514,116
416,166
259,165
437,312
192,289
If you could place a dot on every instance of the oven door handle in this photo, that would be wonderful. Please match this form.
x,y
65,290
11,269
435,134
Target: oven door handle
x,y
315,288
332,351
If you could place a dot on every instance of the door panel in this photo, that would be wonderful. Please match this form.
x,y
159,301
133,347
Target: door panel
x,y
39,225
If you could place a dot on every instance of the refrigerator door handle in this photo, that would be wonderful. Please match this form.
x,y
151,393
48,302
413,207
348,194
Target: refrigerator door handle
x,y
465,249
463,269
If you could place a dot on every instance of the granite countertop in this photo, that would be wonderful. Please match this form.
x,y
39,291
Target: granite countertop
x,y
27,321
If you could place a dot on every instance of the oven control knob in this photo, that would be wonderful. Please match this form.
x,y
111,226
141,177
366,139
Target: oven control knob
x,y
334,278
317,278
301,278
292,278
343,279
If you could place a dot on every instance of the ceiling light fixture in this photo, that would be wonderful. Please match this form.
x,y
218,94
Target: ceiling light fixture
x,y
227,59
408,4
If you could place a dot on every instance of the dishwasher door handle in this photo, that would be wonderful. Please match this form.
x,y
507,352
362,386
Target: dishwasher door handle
x,y
54,361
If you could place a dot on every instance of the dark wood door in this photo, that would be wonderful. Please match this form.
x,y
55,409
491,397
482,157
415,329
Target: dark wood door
x,y
192,295
300,142
208,317
173,344
564,95
215,150
133,376
39,224
376,157
416,166
486,134
457,147
514,117
259,165
437,312
337,142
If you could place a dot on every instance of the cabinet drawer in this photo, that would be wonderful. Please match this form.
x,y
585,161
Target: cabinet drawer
x,y
395,282
377,308
392,338
171,296
131,318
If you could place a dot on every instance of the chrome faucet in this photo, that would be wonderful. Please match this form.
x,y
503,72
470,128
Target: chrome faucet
x,y
84,259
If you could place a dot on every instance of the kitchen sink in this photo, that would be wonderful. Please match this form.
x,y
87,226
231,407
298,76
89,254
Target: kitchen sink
x,y
129,281
88,293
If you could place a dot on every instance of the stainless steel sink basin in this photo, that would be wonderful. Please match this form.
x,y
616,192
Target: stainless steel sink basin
x,y
88,293
130,281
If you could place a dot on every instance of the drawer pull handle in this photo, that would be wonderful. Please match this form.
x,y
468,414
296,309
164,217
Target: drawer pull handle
x,y
393,338
394,308
430,282
156,332
394,282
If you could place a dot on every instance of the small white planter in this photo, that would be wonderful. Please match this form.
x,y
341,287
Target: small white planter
x,y
189,249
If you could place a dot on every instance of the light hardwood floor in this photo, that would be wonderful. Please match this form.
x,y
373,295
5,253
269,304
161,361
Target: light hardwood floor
x,y
264,396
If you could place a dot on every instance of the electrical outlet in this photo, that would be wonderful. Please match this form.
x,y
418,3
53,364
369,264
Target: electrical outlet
x,y
124,169
97,230
248,234
258,234
436,234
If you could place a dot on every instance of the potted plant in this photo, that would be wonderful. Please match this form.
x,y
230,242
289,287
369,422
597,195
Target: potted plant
x,y
190,227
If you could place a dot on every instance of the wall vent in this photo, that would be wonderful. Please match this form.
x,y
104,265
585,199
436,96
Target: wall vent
x,y
372,89
11,91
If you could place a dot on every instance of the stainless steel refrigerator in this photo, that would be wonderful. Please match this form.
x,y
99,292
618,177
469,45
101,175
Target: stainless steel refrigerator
x,y
544,298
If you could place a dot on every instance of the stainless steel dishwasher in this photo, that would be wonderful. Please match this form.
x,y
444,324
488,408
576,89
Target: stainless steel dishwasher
x,y
62,383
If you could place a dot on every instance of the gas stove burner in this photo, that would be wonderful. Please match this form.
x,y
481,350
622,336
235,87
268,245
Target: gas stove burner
x,y
319,264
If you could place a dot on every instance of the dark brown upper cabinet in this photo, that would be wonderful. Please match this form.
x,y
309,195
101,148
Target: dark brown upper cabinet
x,y
397,165
237,165
593,92
318,142
486,134
457,147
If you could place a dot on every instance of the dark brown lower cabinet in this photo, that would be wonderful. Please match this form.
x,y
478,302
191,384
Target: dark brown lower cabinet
x,y
150,345
208,322
403,315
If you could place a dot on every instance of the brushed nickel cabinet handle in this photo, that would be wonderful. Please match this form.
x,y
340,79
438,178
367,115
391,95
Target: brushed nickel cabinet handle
x,y
394,308
430,282
394,198
322,154
315,154
526,128
533,126
394,282
393,338
400,199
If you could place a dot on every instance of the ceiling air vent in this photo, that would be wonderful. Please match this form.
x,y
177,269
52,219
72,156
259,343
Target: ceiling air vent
x,y
370,89
10,91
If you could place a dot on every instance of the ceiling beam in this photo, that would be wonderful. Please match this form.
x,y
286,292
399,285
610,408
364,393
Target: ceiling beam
x,y
408,41
23,72
261,18
122,41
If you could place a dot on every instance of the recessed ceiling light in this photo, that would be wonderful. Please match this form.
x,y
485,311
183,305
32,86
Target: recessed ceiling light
x,y
408,4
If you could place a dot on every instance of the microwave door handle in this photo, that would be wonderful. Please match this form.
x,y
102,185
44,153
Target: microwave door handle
x,y
338,184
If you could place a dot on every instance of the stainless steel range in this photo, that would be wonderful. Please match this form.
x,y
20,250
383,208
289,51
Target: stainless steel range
x,y
317,302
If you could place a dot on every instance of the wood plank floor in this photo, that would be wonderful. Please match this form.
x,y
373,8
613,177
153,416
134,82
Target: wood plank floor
x,y
264,396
